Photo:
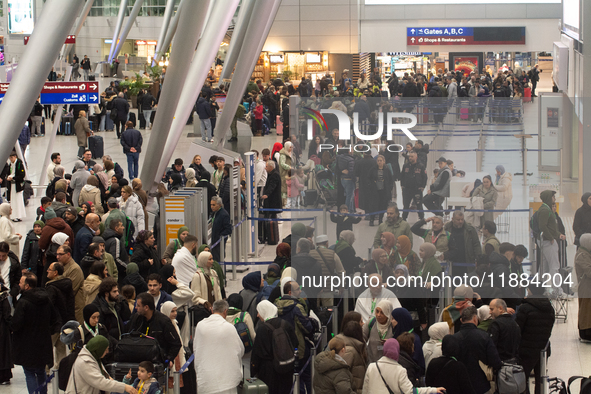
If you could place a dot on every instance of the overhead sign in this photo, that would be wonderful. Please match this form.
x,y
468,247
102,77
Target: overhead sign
x,y
69,39
142,42
504,35
69,93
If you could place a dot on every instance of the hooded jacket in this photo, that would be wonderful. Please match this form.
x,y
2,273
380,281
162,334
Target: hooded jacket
x,y
134,210
356,358
546,218
112,314
115,247
582,220
61,294
294,312
52,227
331,374
535,318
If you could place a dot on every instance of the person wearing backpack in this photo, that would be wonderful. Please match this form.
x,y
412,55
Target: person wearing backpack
x,y
241,320
546,226
274,338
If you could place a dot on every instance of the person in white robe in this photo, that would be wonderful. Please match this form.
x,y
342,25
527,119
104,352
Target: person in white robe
x,y
367,301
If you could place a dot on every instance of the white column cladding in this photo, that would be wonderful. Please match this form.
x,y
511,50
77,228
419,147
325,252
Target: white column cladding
x,y
134,13
81,20
48,36
219,20
120,16
171,30
165,23
262,19
191,22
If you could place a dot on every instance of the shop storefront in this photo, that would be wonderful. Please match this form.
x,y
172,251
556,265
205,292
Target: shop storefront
x,y
400,63
293,65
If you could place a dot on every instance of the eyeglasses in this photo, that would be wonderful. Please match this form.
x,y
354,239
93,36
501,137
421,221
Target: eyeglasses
x,y
60,254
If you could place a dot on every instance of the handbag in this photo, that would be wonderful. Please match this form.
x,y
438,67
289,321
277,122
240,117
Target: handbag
x,y
136,347
384,380
511,378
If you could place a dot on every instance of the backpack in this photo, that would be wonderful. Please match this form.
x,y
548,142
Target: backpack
x,y
511,378
283,354
66,364
129,231
462,91
114,114
585,384
535,225
52,250
243,332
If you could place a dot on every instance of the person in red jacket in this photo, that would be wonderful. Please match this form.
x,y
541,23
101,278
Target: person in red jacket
x,y
258,118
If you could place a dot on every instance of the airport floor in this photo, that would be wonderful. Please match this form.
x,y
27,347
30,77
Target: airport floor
x,y
569,355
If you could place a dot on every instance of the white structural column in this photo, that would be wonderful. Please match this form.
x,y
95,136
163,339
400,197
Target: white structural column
x,y
261,21
48,36
160,49
190,25
171,30
219,20
244,16
120,16
134,13
81,20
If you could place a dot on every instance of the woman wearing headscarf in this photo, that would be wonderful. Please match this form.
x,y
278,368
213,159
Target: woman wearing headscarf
x,y
344,249
98,272
489,194
133,209
413,371
412,297
379,264
429,266
503,184
432,348
103,178
7,231
145,254
356,354
283,255
447,371
388,241
134,278
275,152
191,178
484,317
142,197
285,164
91,192
236,315
261,359
405,255
331,372
181,296
217,268
582,220
387,375
402,321
90,329
288,274
78,181
205,284
170,310
175,182
251,294
175,244
377,330
88,373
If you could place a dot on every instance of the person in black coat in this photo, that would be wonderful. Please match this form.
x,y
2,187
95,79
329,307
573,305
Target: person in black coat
x,y
32,258
383,179
60,291
225,189
446,371
477,346
15,272
535,318
413,370
148,103
35,320
120,105
261,359
204,182
271,193
343,221
582,220
145,255
503,330
18,179
6,364
365,170
221,226
113,308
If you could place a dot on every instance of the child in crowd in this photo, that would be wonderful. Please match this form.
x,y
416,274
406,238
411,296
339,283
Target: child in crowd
x,y
144,383
128,292
45,203
294,188
343,221
32,258
302,179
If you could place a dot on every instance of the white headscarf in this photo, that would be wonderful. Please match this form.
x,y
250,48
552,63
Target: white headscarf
x,y
438,330
283,282
387,308
202,260
483,313
5,209
267,310
167,308
59,238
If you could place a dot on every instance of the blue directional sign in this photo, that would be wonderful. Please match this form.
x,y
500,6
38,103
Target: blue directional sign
x,y
69,98
440,31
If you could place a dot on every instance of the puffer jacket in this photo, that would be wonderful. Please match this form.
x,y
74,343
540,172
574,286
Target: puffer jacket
x,y
535,317
92,194
91,285
134,210
356,358
505,189
294,312
331,375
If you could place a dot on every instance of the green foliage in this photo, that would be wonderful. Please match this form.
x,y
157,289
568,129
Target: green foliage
x,y
155,72
134,87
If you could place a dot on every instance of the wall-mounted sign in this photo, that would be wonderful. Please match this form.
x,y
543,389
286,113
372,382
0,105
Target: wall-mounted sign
x,y
143,42
276,58
504,35
313,58
20,17
71,39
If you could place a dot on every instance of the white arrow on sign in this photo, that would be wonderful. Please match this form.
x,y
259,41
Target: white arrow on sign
x,y
93,86
93,97
412,31
412,40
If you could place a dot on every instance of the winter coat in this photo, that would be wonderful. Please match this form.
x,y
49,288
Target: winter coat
x,y
82,129
31,257
83,240
122,107
395,376
292,311
471,245
344,222
199,287
52,227
490,199
148,101
449,373
261,359
5,336
422,154
285,165
134,210
547,219
582,220
222,225
61,295
203,108
272,190
141,255
331,374
224,192
131,138
136,280
400,227
14,274
91,285
413,177
8,234
92,194
583,271
85,264
77,182
505,192
356,358
86,377
35,320
535,318
366,170
413,371
112,322
159,327
506,335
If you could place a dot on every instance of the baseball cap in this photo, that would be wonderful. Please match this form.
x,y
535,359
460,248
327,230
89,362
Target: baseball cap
x,y
321,238
72,210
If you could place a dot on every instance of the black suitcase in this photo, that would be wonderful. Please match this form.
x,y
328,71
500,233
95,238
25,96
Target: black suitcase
x,y
132,118
94,121
272,232
119,370
42,126
152,116
96,146
67,125
91,78
142,119
310,197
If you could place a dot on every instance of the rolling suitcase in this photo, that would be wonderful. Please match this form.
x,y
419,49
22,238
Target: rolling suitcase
x,y
279,125
95,144
252,386
132,118
272,230
464,112
527,95
142,119
66,125
118,371
310,197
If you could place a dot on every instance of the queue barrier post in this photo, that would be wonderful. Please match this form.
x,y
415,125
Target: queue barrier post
x,y
296,382
324,337
312,369
335,319
324,218
55,387
545,385
176,376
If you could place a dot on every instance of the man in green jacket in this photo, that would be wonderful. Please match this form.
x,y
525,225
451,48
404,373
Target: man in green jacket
x,y
549,234
393,224
464,244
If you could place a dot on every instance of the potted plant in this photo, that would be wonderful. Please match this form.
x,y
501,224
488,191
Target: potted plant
x,y
133,88
155,73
